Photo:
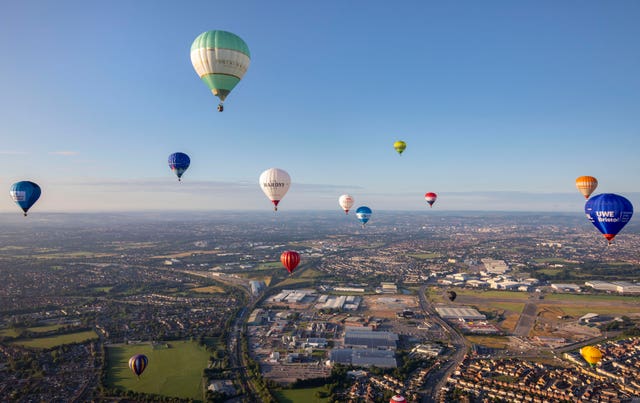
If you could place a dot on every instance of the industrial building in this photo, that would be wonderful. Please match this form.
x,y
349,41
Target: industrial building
x,y
622,287
363,357
367,338
465,313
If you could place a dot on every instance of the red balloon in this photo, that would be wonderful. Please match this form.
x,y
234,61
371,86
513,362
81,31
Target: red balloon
x,y
290,260
398,399
430,198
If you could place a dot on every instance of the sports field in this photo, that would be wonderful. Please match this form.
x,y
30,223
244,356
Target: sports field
x,y
175,371
53,341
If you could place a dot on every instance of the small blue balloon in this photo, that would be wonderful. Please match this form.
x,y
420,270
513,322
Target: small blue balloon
x,y
25,194
363,214
179,162
609,213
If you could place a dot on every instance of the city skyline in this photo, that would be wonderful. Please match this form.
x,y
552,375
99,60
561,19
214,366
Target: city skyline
x,y
502,106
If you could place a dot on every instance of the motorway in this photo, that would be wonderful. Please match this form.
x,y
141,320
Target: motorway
x,y
437,378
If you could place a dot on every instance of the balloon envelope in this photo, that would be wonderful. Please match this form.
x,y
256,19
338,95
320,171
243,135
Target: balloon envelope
x,y
275,183
399,146
430,197
25,194
290,260
609,213
138,363
591,354
179,162
221,59
397,399
346,202
586,185
363,214
451,295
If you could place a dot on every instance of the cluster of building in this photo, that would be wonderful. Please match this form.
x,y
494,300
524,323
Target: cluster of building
x,y
51,380
614,379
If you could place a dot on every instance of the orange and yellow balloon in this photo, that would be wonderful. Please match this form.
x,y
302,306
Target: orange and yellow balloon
x,y
591,355
586,185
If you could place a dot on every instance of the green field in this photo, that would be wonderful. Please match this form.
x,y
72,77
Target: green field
x,y
300,395
591,298
175,371
53,341
515,295
426,255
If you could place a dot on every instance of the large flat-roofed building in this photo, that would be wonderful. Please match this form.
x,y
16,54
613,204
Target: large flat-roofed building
x,y
494,266
465,313
363,357
622,287
367,338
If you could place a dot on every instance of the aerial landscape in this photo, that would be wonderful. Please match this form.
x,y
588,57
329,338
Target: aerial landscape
x,y
320,202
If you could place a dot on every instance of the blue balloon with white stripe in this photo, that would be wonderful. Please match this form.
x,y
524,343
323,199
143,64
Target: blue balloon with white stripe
x,y
25,194
363,213
179,162
609,213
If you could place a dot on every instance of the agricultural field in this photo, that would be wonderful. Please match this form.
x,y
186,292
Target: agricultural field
x,y
53,341
175,371
36,329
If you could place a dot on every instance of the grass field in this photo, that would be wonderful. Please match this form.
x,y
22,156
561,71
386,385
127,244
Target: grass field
x,y
489,341
300,395
212,289
37,329
53,341
175,371
514,295
425,255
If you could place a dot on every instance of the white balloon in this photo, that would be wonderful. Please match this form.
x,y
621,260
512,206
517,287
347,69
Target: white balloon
x,y
275,183
346,202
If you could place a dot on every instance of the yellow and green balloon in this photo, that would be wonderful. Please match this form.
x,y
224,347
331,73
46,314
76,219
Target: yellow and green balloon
x,y
399,146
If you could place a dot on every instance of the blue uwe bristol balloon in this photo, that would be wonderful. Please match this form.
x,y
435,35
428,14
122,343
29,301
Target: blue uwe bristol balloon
x,y
363,214
609,213
179,162
25,194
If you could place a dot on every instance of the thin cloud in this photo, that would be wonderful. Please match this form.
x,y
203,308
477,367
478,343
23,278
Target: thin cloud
x,y
64,153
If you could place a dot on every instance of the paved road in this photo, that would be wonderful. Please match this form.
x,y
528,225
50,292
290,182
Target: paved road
x,y
437,378
527,320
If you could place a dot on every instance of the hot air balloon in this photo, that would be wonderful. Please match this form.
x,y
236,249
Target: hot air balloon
x,y
138,363
586,185
25,194
290,260
179,162
221,59
430,198
275,184
363,214
399,146
346,202
591,355
451,295
398,399
609,213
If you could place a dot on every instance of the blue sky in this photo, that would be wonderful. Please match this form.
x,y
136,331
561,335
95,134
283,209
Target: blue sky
x,y
502,104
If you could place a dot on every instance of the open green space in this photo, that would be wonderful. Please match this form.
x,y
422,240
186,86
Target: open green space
x,y
175,371
311,273
425,255
53,341
307,395
587,298
493,294
552,260
500,342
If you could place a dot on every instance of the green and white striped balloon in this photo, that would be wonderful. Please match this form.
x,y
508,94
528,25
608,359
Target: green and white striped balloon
x,y
221,59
